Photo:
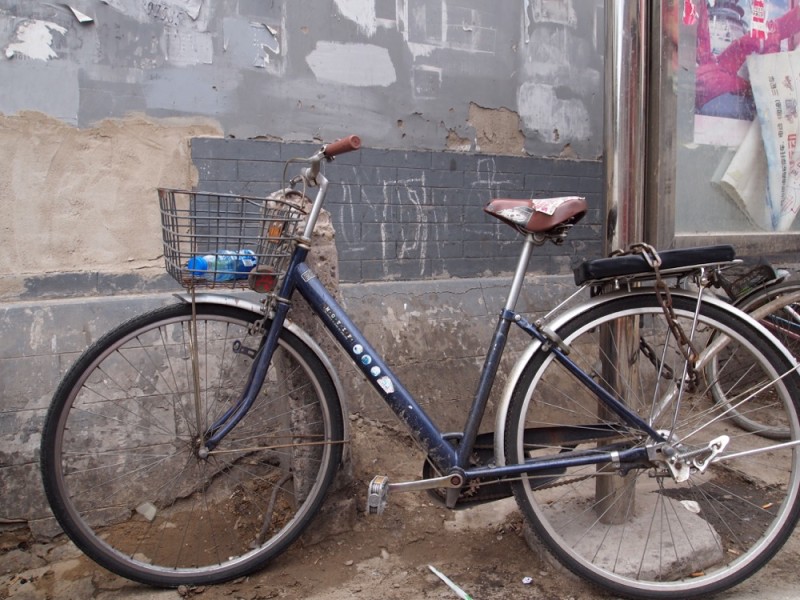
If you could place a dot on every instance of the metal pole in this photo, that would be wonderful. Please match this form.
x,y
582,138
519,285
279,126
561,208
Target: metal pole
x,y
625,128
625,120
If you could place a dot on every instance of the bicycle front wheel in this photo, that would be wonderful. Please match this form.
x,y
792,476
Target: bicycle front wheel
x,y
121,463
642,530
782,319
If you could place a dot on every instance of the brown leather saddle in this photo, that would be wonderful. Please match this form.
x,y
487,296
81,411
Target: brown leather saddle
x,y
538,215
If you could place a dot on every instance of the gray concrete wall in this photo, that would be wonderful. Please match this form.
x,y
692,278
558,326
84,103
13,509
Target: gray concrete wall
x,y
514,76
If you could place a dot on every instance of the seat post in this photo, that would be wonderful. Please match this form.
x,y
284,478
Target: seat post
x,y
519,273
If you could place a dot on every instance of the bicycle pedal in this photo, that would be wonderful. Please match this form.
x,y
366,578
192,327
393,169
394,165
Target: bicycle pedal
x,y
377,495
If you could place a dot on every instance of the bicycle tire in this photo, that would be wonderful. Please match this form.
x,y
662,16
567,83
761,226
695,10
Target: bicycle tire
x,y
661,539
119,447
783,323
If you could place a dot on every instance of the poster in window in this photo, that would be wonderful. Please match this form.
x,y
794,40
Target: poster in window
x,y
747,74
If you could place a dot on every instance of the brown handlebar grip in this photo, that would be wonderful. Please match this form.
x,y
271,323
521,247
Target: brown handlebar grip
x,y
348,144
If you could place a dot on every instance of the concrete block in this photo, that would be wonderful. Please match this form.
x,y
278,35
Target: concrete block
x,y
217,170
375,270
577,168
462,267
513,164
28,382
350,270
588,186
377,157
339,174
132,283
453,161
484,248
345,194
23,493
297,150
480,228
432,300
436,179
227,149
60,285
378,232
440,249
259,171
425,213
366,250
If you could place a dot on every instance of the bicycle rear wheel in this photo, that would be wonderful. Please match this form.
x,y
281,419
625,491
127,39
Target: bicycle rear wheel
x,y
120,445
783,321
647,534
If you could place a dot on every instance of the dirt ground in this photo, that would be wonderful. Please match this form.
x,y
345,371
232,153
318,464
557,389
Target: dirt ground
x,y
483,550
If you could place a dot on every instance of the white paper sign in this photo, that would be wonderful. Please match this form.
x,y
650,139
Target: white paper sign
x,y
775,79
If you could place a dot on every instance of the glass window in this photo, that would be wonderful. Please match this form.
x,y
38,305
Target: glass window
x,y
725,120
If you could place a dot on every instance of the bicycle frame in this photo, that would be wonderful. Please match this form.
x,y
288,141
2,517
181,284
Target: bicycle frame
x,y
448,458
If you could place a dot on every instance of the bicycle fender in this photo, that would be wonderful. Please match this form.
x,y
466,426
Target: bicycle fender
x,y
257,308
558,322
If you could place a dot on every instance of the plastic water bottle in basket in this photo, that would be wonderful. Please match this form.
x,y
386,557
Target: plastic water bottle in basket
x,y
225,265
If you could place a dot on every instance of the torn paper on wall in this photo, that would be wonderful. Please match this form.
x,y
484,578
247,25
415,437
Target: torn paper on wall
x,y
745,179
34,40
82,18
774,79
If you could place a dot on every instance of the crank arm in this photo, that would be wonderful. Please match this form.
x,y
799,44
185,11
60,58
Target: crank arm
x,y
379,488
446,481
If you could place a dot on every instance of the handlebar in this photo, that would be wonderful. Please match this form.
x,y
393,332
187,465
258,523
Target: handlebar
x,y
347,144
311,176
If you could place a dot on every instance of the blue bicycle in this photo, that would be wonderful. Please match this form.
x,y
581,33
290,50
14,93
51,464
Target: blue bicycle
x,y
194,443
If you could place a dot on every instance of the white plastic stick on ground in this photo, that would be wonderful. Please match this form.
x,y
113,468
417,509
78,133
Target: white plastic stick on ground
x,y
461,593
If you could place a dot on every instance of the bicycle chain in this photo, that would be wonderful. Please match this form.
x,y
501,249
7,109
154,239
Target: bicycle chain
x,y
664,371
439,494
664,297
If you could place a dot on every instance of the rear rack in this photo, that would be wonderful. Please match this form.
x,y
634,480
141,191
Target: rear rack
x,y
636,267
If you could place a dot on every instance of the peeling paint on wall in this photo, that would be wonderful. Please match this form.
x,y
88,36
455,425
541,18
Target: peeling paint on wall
x,y
301,70
176,13
359,65
34,40
90,197
361,12
186,48
431,24
553,11
427,81
457,143
255,44
497,130
553,118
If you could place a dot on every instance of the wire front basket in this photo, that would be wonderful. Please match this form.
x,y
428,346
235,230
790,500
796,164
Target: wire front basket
x,y
219,240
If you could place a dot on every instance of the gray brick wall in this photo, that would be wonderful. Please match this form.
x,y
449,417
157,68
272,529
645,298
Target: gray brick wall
x,y
405,215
